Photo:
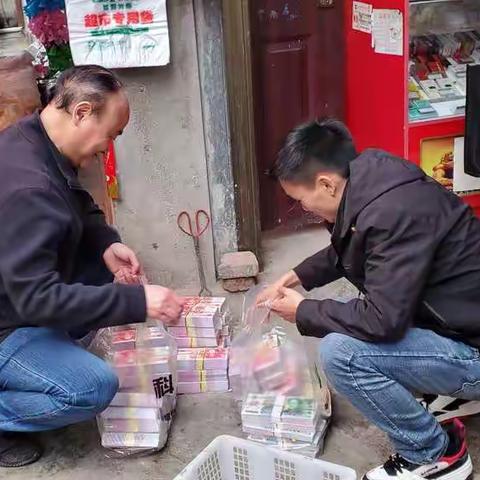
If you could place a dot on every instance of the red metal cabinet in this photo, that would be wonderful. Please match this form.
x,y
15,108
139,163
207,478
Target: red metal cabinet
x,y
377,96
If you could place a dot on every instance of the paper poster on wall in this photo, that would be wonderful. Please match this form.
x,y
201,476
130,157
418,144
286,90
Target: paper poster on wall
x,y
462,182
387,31
362,17
118,33
436,159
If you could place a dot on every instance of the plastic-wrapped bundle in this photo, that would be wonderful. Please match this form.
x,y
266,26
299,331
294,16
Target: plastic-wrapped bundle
x,y
203,323
282,401
138,419
202,335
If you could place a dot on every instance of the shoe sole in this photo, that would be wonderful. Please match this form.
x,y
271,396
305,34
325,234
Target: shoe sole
x,y
464,472
25,463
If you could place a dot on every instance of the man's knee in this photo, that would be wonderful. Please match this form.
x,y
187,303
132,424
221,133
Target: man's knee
x,y
336,351
94,391
106,385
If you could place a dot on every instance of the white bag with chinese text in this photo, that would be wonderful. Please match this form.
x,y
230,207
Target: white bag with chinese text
x,y
121,34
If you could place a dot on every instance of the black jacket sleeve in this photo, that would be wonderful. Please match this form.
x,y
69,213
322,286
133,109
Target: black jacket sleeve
x,y
399,252
97,233
319,269
33,227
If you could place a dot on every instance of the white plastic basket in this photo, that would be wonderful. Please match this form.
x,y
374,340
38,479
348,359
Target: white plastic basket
x,y
231,458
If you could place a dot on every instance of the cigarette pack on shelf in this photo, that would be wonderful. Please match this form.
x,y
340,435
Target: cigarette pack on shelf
x,y
438,67
139,417
283,401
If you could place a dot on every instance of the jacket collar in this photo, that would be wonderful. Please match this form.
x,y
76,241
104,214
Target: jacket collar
x,y
337,229
372,174
33,129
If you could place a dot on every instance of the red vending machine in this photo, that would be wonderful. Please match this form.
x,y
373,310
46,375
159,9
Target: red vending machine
x,y
406,69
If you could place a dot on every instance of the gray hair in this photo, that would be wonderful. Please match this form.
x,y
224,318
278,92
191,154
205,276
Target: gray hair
x,y
90,83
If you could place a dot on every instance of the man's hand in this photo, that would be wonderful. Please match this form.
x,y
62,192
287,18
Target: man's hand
x,y
268,295
272,292
287,305
163,304
123,263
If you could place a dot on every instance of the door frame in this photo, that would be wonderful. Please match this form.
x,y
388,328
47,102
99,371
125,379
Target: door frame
x,y
239,80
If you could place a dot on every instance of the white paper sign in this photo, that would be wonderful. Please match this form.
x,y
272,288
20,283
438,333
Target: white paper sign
x,y
387,31
362,17
462,182
118,33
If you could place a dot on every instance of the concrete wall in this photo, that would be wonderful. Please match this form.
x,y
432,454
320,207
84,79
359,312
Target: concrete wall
x,y
209,29
162,161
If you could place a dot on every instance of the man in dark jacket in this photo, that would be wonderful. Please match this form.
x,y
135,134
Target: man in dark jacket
x,y
58,258
412,248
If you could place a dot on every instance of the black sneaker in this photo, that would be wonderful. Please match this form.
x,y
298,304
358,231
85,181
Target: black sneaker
x,y
17,451
455,465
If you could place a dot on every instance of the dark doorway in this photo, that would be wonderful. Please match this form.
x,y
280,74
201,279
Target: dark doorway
x,y
298,74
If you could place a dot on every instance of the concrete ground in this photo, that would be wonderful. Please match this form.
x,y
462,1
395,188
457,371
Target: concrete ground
x,y
74,453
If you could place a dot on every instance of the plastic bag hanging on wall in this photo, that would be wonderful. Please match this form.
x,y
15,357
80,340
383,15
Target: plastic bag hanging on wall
x,y
472,129
119,33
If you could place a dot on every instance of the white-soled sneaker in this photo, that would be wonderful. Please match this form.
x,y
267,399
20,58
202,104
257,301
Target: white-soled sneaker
x,y
446,408
455,466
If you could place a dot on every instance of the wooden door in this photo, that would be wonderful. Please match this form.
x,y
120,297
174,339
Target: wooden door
x,y
298,72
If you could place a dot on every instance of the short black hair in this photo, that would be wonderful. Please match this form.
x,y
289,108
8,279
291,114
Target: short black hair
x,y
90,83
319,145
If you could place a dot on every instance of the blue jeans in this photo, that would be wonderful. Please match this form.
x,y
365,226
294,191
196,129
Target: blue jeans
x,y
47,381
378,378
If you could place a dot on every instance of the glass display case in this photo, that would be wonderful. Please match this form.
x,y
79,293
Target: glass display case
x,y
411,101
444,38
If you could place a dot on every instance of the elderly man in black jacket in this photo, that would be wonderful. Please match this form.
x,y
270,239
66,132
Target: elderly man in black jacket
x,y
412,248
58,258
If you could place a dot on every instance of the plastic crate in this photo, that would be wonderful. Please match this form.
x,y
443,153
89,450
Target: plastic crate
x,y
231,458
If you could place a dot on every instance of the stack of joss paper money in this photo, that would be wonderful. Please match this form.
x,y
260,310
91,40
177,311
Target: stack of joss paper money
x,y
290,423
139,416
203,370
203,338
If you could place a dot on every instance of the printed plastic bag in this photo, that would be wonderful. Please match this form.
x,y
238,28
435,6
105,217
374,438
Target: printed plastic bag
x,y
144,357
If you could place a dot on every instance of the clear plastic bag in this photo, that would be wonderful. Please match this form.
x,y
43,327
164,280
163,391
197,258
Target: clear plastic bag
x,y
265,357
39,57
283,403
144,357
